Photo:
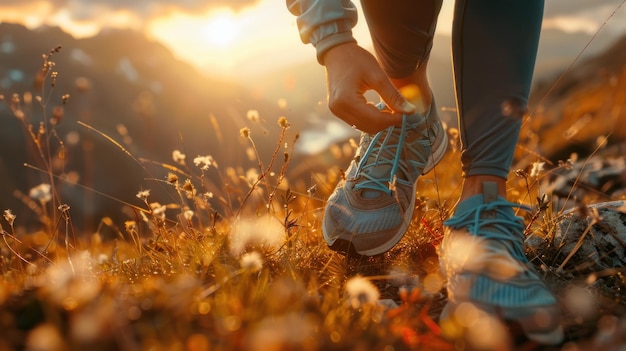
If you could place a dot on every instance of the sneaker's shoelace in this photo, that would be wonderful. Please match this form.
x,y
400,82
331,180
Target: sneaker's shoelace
x,y
382,161
504,227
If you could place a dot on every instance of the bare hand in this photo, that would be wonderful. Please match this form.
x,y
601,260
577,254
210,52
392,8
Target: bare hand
x,y
350,72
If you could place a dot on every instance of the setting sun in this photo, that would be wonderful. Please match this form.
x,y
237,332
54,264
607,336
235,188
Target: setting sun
x,y
222,29
229,42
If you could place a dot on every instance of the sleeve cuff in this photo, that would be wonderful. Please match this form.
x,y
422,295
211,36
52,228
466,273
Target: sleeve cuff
x,y
329,35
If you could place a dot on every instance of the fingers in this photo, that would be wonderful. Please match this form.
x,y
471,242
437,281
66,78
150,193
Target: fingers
x,y
394,99
364,116
351,71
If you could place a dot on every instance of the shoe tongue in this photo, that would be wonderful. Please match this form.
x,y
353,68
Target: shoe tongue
x,y
379,172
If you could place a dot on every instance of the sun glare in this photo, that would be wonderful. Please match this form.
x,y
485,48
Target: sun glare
x,y
231,43
222,29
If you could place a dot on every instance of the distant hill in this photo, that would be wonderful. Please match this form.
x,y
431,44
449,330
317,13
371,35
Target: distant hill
x,y
574,110
133,90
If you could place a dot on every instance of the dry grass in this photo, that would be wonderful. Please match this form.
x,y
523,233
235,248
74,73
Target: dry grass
x,y
242,266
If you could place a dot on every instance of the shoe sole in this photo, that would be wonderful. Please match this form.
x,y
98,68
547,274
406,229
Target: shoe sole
x,y
436,156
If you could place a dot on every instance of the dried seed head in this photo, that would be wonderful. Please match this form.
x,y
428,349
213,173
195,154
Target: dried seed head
x,y
172,178
143,194
9,217
245,132
130,226
53,81
283,122
521,173
188,186
56,49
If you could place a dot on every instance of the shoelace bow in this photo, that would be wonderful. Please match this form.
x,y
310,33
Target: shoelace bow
x,y
388,151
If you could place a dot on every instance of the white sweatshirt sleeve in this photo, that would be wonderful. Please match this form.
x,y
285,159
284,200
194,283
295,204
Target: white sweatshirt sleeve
x,y
324,23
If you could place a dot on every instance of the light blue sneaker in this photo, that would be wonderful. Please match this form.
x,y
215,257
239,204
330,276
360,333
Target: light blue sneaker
x,y
482,256
369,211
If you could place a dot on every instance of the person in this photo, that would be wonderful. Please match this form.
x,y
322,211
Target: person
x,y
494,47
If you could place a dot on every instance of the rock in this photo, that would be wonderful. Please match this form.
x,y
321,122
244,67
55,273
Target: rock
x,y
599,175
594,240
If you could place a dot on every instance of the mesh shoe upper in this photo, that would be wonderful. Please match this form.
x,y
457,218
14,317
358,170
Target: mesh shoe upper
x,y
372,207
483,258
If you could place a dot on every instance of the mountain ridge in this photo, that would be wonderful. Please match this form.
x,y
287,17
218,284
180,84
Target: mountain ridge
x,y
131,89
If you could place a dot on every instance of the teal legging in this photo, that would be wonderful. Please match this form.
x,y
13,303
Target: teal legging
x,y
494,46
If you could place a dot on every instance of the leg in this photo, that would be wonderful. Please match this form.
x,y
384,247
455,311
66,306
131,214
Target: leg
x,y
402,33
482,254
370,210
494,46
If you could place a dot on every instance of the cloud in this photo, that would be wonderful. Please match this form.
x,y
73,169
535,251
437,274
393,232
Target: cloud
x,y
85,10
571,7
585,16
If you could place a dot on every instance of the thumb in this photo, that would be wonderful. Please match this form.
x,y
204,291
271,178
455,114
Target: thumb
x,y
395,100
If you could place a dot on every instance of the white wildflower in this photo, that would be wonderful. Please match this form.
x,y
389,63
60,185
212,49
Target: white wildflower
x,y
41,193
282,103
361,291
44,336
72,282
250,153
264,231
253,115
204,162
537,169
143,194
103,258
291,331
179,157
188,214
9,216
158,210
251,261
580,301
252,175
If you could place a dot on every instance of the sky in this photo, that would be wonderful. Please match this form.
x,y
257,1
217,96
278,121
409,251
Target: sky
x,y
233,38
